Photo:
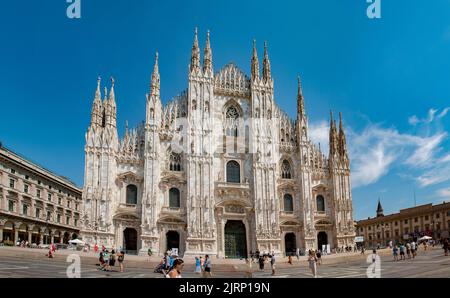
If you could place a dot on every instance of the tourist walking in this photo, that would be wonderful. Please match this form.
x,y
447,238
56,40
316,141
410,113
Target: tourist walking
x,y
198,268
413,249
402,252
312,261
261,262
120,258
112,259
272,263
176,269
106,260
319,257
395,252
208,266
290,259
446,247
408,250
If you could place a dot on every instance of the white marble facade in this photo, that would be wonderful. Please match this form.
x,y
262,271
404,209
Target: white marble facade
x,y
219,169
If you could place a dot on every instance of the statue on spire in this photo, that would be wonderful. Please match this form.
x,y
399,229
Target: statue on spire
x,y
266,64
255,63
195,56
156,80
207,59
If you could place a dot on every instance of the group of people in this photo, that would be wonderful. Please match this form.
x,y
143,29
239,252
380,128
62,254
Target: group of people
x,y
108,259
203,266
171,266
408,249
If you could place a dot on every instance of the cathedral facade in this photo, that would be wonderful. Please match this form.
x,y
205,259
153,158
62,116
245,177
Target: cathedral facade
x,y
218,170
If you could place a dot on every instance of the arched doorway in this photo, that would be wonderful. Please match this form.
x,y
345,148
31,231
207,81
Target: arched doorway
x,y
290,244
8,231
23,233
66,238
173,240
322,239
235,239
130,241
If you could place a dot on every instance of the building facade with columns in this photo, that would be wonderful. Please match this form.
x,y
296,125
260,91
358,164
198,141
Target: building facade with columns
x,y
406,225
219,169
36,205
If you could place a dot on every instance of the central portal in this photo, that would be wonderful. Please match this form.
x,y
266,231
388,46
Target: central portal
x,y
235,239
130,241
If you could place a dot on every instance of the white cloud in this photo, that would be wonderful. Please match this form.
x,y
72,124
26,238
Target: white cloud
x,y
414,120
426,149
444,112
319,133
444,193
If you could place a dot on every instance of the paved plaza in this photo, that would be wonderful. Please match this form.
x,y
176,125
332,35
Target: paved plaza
x,y
27,263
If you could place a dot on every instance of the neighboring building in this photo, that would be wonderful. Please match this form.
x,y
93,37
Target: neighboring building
x,y
408,224
219,170
35,204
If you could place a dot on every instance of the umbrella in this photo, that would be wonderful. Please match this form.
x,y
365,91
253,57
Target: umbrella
x,y
77,241
425,238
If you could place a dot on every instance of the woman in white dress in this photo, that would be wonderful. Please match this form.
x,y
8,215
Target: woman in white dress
x,y
312,260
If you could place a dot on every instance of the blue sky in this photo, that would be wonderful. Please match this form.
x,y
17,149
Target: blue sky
x,y
390,77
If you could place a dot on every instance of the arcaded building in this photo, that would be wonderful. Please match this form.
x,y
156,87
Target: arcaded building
x,y
36,205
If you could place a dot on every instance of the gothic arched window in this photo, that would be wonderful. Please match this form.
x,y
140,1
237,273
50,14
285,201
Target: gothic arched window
x,y
288,203
233,172
286,170
232,121
175,162
174,198
320,202
132,194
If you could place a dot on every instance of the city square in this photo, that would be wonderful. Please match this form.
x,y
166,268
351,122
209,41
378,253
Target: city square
x,y
26,263
225,140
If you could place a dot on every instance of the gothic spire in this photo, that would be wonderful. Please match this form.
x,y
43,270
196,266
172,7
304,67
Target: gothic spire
x,y
207,59
255,63
155,83
333,138
97,106
98,94
379,209
112,95
342,139
266,64
195,56
105,98
300,100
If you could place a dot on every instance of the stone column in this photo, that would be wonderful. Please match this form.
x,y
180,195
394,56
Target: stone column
x,y
52,237
16,232
30,237
61,236
1,233
41,238
16,236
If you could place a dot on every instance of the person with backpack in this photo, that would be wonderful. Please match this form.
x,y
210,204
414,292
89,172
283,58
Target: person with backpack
x,y
208,266
112,259
120,258
101,260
